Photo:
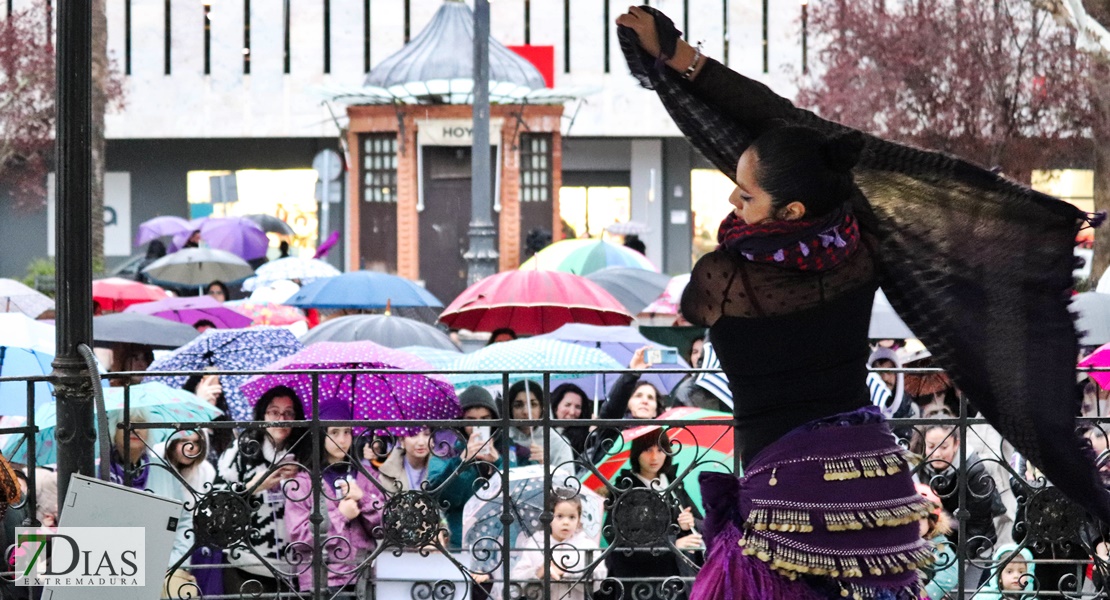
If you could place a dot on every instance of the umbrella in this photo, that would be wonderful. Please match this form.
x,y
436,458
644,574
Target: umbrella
x,y
668,302
1094,317
386,330
162,404
1099,358
886,324
192,311
362,290
709,447
482,528
228,350
533,302
271,224
237,235
620,343
585,256
634,288
267,313
304,270
116,293
179,239
527,359
17,297
439,358
628,228
277,292
198,266
26,349
161,227
386,397
134,328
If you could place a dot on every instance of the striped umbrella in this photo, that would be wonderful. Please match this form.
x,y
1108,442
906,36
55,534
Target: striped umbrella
x,y
708,447
527,359
582,257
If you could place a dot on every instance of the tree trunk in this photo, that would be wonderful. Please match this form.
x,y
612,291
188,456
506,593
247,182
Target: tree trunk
x,y
100,75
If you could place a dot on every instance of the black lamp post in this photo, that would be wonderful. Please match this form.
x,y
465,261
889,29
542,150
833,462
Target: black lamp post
x,y
76,436
482,256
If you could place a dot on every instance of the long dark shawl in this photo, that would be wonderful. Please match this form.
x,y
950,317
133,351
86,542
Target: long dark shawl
x,y
977,265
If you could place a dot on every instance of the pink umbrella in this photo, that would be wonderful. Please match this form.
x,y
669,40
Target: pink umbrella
x,y
412,395
1099,358
192,311
667,302
267,313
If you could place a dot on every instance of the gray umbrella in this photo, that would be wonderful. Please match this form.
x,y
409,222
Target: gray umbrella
x,y
386,330
633,288
135,328
198,266
272,224
885,323
1094,317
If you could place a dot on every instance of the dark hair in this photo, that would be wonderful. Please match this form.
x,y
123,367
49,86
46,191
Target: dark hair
x,y
560,392
218,439
531,387
258,434
283,248
659,396
633,242
568,496
804,165
203,322
223,288
155,250
499,331
651,440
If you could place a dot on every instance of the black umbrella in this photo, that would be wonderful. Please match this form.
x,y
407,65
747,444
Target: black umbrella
x,y
135,328
386,330
272,224
633,288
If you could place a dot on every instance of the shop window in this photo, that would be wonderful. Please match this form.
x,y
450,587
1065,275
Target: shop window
x,y
379,167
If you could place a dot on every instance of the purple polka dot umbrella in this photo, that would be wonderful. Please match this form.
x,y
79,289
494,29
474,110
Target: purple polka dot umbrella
x,y
411,396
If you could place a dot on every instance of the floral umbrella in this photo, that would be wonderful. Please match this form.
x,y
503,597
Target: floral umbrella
x,y
228,349
266,313
410,396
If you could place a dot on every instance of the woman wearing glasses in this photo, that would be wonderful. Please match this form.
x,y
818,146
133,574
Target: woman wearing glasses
x,y
252,466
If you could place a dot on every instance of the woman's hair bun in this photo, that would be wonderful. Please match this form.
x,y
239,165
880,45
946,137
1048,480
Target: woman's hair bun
x,y
842,150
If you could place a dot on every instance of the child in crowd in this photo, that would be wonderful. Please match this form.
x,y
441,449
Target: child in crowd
x,y
1013,572
569,557
942,577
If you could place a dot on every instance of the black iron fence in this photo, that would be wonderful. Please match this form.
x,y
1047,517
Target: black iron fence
x,y
307,508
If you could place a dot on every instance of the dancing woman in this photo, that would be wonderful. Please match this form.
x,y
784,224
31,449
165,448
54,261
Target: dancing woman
x,y
977,265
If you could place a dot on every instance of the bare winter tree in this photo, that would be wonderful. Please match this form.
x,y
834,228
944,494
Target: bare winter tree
x,y
27,89
1090,20
994,81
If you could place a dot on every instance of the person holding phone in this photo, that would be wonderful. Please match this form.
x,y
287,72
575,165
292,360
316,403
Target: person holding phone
x,y
629,398
477,456
528,402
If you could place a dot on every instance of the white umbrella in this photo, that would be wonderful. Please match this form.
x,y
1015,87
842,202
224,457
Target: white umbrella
x,y
198,266
885,322
16,297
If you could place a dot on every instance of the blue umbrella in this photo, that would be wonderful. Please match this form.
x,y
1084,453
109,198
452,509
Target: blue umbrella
x,y
527,359
620,343
363,290
229,349
161,403
26,349
439,358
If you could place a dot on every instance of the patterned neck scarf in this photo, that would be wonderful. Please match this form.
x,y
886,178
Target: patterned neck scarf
x,y
117,471
805,244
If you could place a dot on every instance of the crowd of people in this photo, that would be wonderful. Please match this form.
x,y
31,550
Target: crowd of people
x,y
266,466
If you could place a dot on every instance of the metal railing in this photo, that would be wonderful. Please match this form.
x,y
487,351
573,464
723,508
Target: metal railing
x,y
396,544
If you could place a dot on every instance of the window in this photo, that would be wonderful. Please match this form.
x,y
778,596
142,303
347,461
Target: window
x,y
379,167
587,211
535,167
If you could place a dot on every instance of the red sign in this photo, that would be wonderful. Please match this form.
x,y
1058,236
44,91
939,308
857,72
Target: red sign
x,y
543,57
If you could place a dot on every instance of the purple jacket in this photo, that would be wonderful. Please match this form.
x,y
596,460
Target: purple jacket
x,y
359,532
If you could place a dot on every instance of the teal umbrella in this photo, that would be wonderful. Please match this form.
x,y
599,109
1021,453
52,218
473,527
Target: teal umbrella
x,y
439,358
528,359
161,403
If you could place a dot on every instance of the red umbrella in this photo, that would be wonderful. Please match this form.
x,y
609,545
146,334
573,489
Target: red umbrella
x,y
533,302
115,293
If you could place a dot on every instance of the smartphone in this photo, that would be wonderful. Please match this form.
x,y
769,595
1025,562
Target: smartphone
x,y
483,433
661,356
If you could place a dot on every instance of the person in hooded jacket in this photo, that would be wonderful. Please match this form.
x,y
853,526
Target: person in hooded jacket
x,y
1013,572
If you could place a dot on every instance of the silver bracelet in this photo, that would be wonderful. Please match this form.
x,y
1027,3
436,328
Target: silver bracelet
x,y
693,65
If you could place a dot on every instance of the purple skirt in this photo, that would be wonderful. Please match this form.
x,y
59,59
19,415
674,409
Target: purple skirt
x,y
827,511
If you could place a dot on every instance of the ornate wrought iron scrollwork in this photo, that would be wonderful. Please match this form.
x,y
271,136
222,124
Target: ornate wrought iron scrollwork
x,y
222,519
1052,518
641,517
439,590
410,520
